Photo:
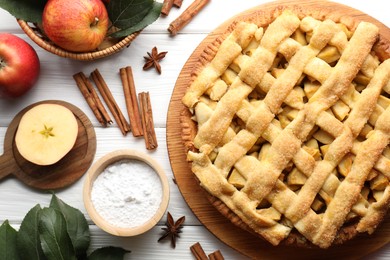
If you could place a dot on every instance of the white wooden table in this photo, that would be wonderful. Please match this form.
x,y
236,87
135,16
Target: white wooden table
x,y
56,82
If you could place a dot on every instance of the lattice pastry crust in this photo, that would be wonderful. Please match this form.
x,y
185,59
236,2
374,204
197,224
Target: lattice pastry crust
x,y
290,126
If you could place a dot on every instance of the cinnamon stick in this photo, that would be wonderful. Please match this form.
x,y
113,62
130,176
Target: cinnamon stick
x,y
96,98
147,121
110,101
90,98
177,3
216,255
166,8
198,251
186,16
131,100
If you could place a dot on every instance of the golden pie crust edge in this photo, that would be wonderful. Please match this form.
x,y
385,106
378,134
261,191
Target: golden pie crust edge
x,y
189,127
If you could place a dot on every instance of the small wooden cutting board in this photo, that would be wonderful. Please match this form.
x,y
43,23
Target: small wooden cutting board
x,y
59,175
244,242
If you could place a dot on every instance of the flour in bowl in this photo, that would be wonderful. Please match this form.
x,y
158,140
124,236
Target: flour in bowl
x,y
127,193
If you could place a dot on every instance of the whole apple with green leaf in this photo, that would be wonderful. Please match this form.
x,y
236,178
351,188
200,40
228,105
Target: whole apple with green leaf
x,y
77,25
19,66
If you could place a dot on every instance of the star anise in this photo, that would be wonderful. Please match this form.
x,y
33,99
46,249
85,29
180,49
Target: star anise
x,y
154,59
173,229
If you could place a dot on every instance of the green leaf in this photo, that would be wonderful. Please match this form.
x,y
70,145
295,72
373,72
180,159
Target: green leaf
x,y
28,242
55,241
77,225
30,11
8,250
108,253
127,13
151,16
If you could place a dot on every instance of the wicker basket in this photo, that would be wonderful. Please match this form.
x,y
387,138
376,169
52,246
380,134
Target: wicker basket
x,y
109,47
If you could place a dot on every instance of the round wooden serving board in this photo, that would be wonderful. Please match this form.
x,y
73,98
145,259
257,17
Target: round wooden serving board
x,y
59,175
196,198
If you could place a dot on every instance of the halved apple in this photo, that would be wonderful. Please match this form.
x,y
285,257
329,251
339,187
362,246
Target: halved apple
x,y
46,133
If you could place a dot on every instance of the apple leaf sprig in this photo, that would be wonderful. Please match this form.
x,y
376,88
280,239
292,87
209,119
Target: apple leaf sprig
x,y
127,16
132,15
27,10
55,232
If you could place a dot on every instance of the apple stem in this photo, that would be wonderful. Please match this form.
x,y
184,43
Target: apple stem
x,y
95,22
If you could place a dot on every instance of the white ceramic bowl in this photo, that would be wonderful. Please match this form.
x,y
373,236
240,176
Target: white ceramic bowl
x,y
98,167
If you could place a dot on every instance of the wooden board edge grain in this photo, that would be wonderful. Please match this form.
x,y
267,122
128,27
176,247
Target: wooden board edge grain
x,y
196,198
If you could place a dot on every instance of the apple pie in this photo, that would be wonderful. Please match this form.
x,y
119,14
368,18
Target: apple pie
x,y
287,125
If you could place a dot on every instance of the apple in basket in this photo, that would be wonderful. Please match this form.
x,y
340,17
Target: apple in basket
x,y
19,66
77,25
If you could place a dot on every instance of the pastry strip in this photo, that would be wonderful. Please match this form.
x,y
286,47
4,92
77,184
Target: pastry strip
x,y
210,134
349,189
228,51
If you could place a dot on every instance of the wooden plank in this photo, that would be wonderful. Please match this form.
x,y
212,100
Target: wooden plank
x,y
56,76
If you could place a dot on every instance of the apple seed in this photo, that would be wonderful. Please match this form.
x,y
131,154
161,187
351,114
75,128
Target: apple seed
x,y
48,131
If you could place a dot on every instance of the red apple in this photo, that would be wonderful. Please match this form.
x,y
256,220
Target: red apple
x,y
77,25
19,66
